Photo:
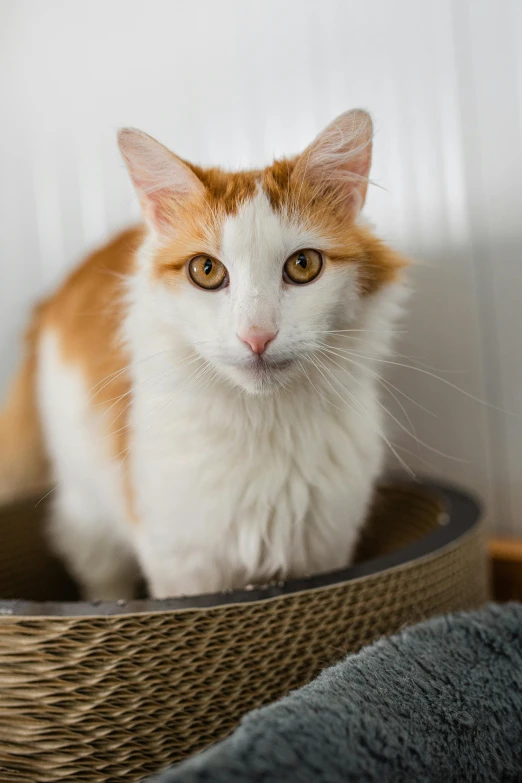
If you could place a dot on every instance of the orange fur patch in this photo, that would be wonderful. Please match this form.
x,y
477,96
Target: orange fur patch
x,y
197,232
377,264
319,209
227,190
24,465
198,222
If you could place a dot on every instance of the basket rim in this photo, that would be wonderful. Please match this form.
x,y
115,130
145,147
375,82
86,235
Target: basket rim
x,y
460,513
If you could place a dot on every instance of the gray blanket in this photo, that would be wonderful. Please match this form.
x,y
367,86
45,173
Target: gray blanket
x,y
441,701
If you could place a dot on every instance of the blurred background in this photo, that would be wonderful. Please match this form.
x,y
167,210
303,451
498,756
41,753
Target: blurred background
x,y
237,82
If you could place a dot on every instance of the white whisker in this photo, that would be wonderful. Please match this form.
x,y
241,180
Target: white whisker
x,y
195,375
165,403
48,493
385,384
116,374
381,380
441,380
359,405
155,379
400,424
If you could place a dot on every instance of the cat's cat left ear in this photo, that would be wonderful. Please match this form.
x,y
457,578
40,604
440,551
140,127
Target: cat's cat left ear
x,y
161,179
338,161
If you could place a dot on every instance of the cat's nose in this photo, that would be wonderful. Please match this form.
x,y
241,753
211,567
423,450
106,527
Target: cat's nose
x,y
257,341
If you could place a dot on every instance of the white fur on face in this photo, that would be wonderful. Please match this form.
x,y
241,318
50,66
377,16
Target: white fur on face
x,y
254,246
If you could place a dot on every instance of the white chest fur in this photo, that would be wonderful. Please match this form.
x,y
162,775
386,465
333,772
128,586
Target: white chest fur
x,y
233,488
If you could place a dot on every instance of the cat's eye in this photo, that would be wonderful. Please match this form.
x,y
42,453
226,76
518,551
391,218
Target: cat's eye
x,y
207,272
302,267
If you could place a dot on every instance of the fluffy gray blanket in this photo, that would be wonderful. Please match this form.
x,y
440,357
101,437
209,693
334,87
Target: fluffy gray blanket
x,y
441,701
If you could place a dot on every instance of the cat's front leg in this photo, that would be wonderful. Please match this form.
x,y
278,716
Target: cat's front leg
x,y
96,553
171,573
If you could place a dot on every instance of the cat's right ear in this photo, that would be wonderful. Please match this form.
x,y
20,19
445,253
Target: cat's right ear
x,y
339,160
161,179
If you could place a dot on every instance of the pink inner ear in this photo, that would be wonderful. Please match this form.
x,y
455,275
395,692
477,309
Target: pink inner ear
x,y
339,159
162,181
158,209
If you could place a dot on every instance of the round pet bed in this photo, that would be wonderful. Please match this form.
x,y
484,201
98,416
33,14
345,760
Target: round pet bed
x,y
95,693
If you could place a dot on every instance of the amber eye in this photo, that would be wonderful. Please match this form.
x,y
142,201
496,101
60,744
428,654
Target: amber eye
x,y
207,272
302,267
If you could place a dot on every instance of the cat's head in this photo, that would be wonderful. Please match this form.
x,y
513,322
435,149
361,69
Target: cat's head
x,y
256,268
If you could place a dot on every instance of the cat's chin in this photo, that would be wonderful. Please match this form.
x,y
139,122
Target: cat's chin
x,y
262,377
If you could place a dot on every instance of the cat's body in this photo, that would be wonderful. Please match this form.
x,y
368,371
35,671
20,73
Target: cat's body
x,y
213,438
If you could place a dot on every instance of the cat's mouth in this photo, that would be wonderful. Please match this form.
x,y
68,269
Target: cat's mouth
x,y
266,365
262,373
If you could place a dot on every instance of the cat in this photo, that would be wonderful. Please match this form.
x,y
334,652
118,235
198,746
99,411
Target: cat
x,y
204,390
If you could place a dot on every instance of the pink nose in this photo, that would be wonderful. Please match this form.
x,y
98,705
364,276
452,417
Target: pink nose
x,y
257,341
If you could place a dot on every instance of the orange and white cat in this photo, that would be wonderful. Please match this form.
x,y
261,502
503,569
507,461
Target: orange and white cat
x,y
197,389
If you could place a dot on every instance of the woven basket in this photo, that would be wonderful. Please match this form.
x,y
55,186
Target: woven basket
x,y
113,692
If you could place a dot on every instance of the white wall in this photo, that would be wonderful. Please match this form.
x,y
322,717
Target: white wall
x,y
238,81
